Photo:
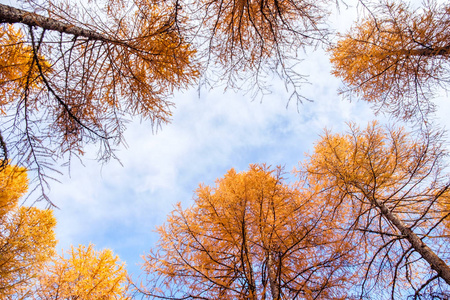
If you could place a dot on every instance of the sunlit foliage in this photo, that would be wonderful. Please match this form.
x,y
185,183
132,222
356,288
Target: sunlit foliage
x,y
75,78
251,236
387,187
27,239
397,57
29,266
15,62
83,274
249,41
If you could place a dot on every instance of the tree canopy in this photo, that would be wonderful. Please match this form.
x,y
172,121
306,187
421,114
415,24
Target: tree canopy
x,y
369,214
244,42
397,57
27,239
29,266
390,190
84,274
71,77
251,236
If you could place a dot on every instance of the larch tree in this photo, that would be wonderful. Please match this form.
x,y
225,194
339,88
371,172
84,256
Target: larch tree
x,y
27,239
245,42
84,274
72,75
391,194
252,236
397,58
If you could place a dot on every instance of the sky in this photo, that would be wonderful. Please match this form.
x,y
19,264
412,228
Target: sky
x,y
119,205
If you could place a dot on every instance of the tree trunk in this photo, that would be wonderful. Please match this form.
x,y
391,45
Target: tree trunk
x,y
435,261
438,51
11,15
273,282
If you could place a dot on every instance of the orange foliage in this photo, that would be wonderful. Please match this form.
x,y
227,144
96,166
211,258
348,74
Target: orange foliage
x,y
387,188
17,69
65,90
248,237
397,58
85,274
29,267
247,40
27,239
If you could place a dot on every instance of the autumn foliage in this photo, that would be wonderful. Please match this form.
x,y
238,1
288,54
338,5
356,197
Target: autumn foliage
x,y
388,187
397,57
245,41
251,236
84,274
17,70
369,212
65,86
29,266
73,75
27,239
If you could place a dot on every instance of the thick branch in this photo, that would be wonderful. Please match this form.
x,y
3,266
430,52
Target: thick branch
x,y
435,261
274,286
4,160
10,14
438,51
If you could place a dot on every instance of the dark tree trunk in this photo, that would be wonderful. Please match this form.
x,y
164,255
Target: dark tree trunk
x,y
11,15
438,51
273,282
435,261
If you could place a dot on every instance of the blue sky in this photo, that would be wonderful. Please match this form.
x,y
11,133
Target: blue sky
x,y
118,206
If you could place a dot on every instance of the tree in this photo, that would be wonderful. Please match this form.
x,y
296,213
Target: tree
x,y
85,274
71,77
29,267
27,239
396,58
249,237
247,41
389,189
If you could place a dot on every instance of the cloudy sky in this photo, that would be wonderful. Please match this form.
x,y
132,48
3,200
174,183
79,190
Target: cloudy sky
x,y
118,206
